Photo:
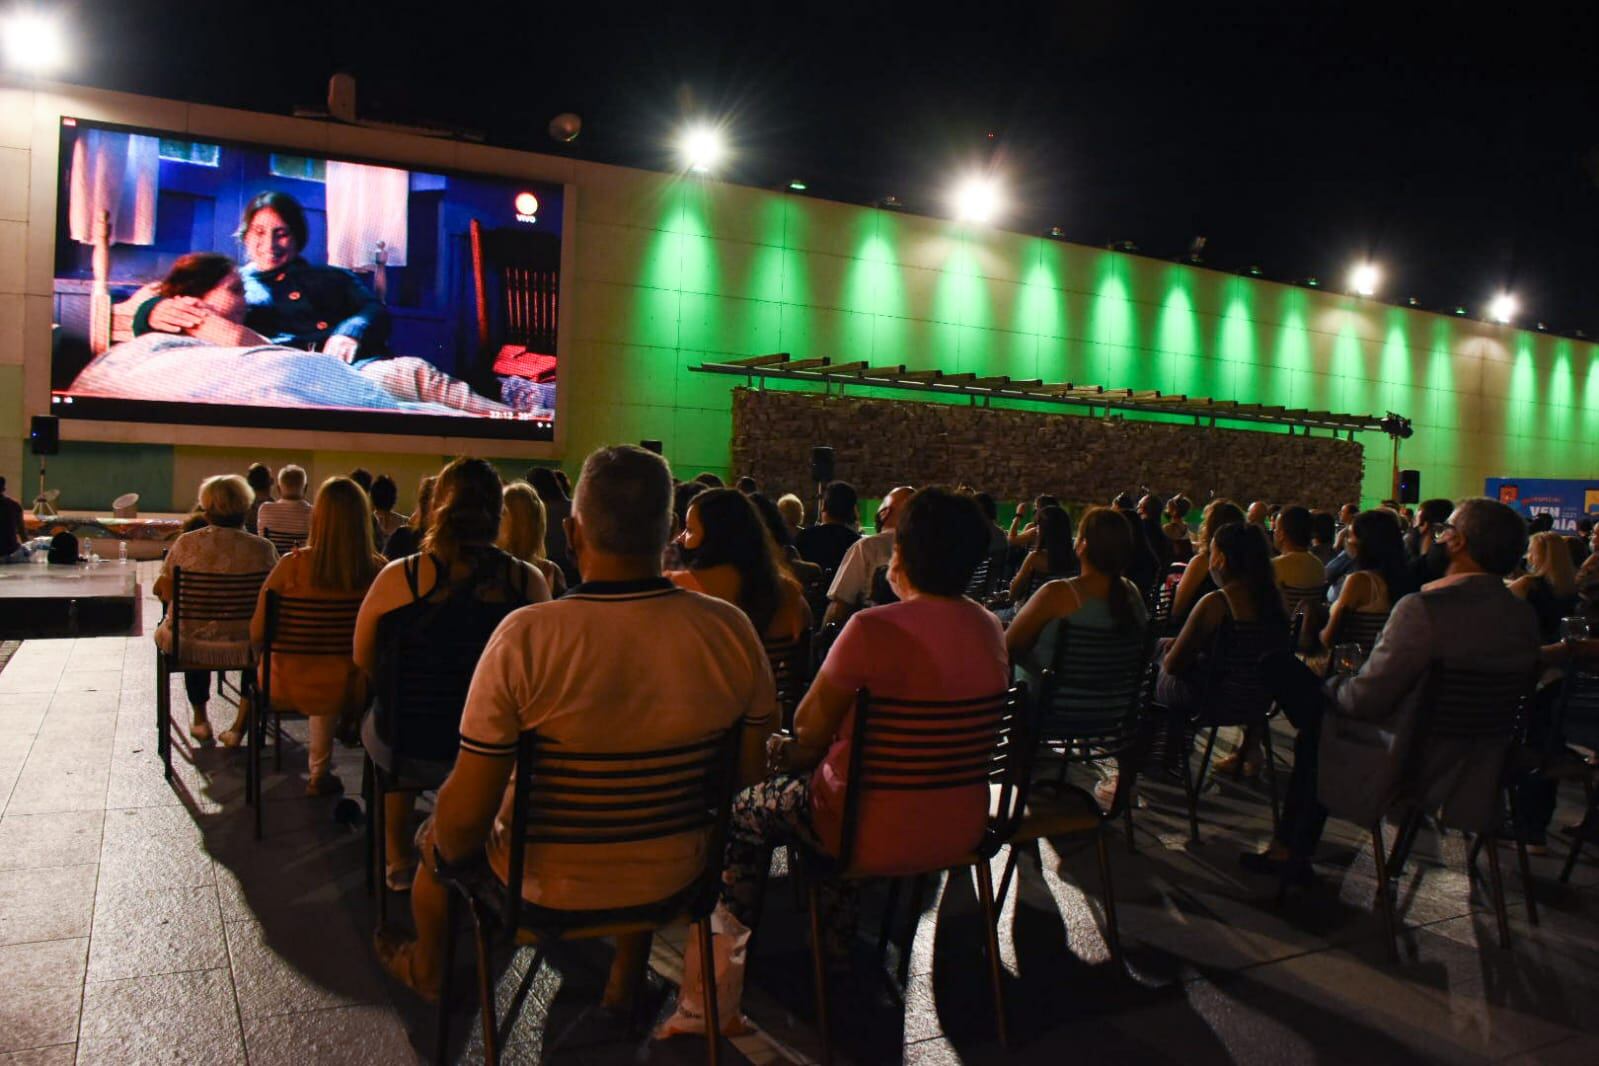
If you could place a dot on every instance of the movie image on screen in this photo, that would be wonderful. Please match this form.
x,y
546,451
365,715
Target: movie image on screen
x,y
208,283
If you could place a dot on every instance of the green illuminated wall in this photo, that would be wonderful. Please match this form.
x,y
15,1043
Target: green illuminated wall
x,y
670,272
673,272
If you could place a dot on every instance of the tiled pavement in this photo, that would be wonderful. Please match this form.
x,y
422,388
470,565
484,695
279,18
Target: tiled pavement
x,y
139,922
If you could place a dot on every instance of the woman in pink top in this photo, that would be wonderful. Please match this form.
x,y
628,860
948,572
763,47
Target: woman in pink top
x,y
935,644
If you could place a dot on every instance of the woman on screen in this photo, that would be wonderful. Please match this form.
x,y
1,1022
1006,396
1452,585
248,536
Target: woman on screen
x,y
220,359
289,301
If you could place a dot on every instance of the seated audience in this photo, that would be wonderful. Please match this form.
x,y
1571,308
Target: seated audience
x,y
1380,577
682,493
407,539
385,494
221,546
998,542
1196,580
1467,619
339,562
835,532
1054,558
1176,528
852,582
934,644
747,485
709,480
560,670
1346,517
730,555
362,477
1145,569
288,515
261,483
557,499
1294,565
1323,531
1021,531
1240,560
1420,528
1550,583
792,508
1149,515
522,533
13,530
429,616
809,575
1578,541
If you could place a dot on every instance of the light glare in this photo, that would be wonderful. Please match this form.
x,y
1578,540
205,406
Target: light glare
x,y
1503,309
1364,279
703,148
33,41
977,199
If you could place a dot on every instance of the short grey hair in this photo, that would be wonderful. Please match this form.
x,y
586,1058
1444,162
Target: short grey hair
x,y
226,499
624,500
291,479
1496,536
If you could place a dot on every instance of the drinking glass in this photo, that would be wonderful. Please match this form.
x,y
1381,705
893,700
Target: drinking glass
x,y
1573,628
1347,659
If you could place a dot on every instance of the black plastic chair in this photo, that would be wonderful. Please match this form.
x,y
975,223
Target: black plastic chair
x,y
295,625
1091,699
790,661
1578,722
1090,708
925,746
1470,705
593,799
199,597
1234,694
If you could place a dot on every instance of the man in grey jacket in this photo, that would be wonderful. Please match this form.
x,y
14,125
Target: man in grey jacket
x,y
1354,730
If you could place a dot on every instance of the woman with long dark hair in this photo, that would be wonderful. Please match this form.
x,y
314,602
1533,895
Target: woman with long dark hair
x,y
1054,555
1196,581
731,555
1382,570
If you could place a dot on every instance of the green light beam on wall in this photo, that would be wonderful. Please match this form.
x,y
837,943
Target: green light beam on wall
x,y
1112,329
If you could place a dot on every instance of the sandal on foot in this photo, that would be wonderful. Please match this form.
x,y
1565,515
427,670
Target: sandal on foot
x,y
399,878
324,785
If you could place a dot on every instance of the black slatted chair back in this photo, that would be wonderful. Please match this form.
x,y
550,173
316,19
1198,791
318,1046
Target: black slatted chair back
x,y
1307,604
1091,696
981,583
1579,708
199,597
936,745
284,542
1361,628
608,799
1235,690
1473,704
791,671
312,625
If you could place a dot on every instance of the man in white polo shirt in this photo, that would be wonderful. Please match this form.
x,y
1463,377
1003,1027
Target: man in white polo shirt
x,y
626,661
852,585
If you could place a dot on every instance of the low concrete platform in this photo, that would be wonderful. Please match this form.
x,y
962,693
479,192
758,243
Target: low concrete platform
x,y
50,600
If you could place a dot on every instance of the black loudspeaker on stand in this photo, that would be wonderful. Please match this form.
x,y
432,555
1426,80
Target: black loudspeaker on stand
x,y
1410,486
44,435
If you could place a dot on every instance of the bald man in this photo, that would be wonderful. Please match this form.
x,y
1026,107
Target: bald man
x,y
852,584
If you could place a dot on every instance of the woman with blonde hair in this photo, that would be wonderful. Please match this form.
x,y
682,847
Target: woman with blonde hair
x,y
1550,583
338,563
220,546
522,533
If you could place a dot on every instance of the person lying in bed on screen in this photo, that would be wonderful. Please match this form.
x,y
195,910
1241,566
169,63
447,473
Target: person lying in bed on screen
x,y
291,302
219,359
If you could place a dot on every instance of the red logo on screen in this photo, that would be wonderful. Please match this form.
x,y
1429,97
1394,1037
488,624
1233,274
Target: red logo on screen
x,y
527,207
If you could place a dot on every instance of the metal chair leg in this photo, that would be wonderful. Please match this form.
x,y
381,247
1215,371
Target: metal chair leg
x,y
441,1037
1113,936
257,738
366,798
1385,898
886,929
1522,860
163,713
1580,838
819,974
713,1013
996,969
1497,887
1271,774
1198,782
277,742
918,900
485,989
380,842
1007,873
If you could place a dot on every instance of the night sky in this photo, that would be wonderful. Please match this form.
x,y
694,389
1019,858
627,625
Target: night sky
x,y
1459,150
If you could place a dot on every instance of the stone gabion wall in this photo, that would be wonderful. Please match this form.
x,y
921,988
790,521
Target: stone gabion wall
x,y
1017,454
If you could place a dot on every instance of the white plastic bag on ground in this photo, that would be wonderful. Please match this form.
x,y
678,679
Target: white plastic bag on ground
x,y
730,940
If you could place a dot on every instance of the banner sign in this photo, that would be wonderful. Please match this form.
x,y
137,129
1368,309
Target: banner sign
x,y
1565,500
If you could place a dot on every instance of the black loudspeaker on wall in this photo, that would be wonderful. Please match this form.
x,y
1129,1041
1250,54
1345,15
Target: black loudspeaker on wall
x,y
821,464
651,446
1410,486
45,435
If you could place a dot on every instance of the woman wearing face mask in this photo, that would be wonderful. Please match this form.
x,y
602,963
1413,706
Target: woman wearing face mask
x,y
290,301
731,555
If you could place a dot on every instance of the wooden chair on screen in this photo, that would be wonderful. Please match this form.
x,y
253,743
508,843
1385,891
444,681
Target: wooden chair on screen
x,y
516,277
